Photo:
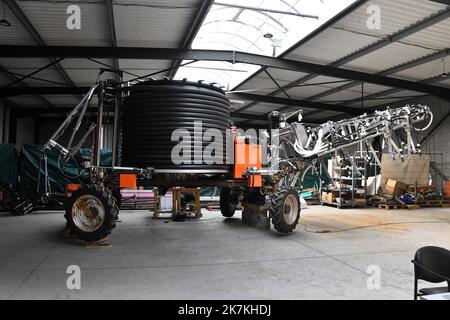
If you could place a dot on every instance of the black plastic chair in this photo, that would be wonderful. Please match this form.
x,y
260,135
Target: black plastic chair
x,y
431,264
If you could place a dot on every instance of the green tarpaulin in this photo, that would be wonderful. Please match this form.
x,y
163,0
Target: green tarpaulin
x,y
29,169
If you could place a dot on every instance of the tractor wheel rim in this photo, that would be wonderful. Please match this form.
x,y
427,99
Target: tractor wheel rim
x,y
290,209
88,213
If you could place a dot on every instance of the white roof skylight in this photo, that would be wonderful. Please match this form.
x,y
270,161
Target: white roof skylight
x,y
254,26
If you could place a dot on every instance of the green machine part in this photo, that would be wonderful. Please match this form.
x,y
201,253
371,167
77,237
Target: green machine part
x,y
29,169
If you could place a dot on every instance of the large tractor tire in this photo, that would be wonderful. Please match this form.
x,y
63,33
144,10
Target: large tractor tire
x,y
91,213
285,210
228,202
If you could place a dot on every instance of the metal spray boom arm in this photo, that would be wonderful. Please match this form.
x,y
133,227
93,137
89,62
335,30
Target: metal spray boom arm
x,y
79,109
333,136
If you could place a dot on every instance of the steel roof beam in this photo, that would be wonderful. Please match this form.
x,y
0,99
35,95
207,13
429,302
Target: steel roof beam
x,y
295,102
22,86
419,26
276,83
189,37
395,90
266,10
290,103
312,35
390,71
20,15
387,72
218,55
47,90
112,28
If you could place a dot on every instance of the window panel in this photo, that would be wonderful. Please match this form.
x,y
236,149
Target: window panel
x,y
230,28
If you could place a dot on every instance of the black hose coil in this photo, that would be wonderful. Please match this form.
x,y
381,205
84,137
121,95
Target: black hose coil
x,y
154,109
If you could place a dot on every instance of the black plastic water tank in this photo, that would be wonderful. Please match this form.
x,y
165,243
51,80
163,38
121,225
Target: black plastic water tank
x,y
152,112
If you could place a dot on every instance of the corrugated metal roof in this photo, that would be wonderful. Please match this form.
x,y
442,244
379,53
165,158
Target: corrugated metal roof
x,y
285,75
426,71
48,74
329,46
28,63
341,96
154,24
445,83
16,33
141,67
322,116
261,108
49,19
22,67
159,23
146,23
62,100
395,15
27,101
261,84
351,34
86,78
387,57
437,36
305,92
314,86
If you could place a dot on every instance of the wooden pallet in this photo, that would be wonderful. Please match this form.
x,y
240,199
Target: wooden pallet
x,y
434,204
212,206
177,203
412,206
391,206
430,203
375,205
336,205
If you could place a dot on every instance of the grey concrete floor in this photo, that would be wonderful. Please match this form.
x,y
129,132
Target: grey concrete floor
x,y
214,258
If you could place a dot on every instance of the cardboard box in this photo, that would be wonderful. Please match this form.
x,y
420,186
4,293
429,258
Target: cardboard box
x,y
394,187
447,189
327,197
421,188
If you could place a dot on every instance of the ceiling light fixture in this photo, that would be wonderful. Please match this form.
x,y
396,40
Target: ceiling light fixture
x,y
444,73
3,21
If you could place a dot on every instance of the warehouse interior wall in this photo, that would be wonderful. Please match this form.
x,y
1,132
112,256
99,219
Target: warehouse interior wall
x,y
25,131
435,141
46,128
4,123
32,130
